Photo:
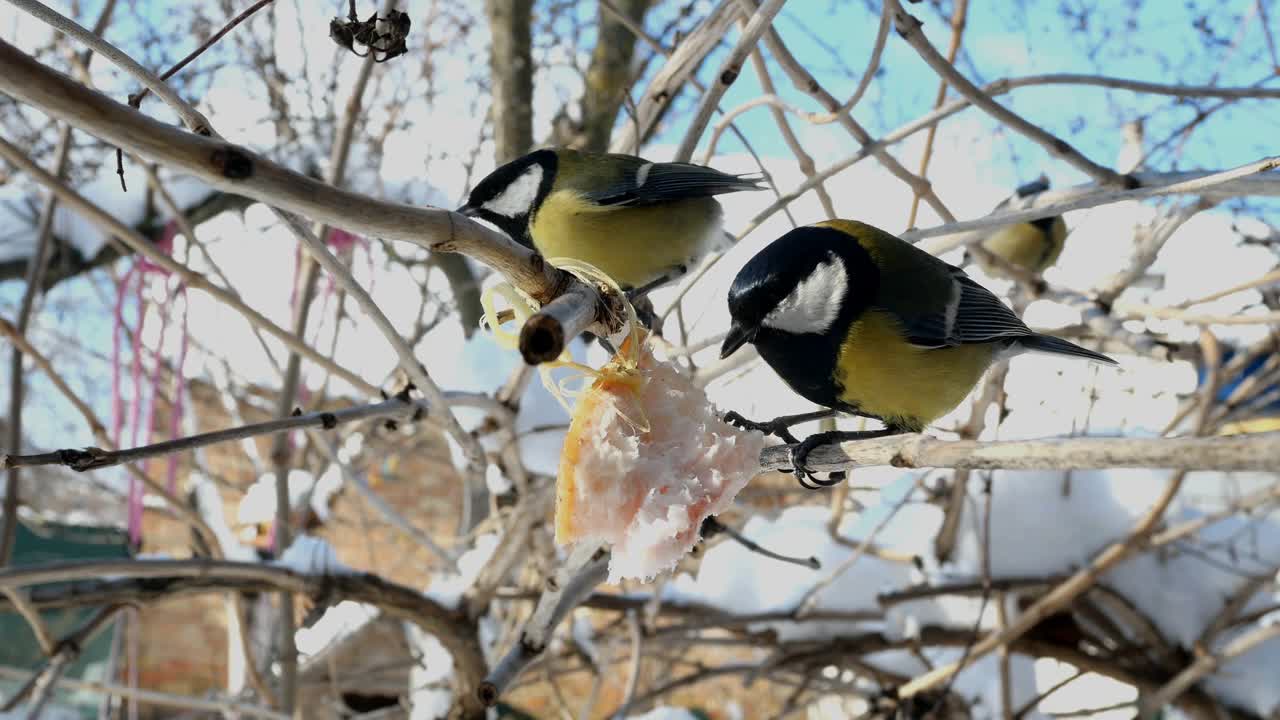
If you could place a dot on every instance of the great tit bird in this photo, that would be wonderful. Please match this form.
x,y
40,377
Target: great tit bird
x,y
1032,246
643,223
861,322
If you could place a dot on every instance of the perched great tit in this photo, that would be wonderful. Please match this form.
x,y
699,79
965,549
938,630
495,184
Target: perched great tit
x,y
1033,246
643,223
861,322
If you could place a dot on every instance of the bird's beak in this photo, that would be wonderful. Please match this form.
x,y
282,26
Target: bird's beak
x,y
737,337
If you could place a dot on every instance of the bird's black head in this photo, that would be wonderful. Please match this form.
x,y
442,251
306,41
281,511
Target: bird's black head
x,y
1035,187
810,281
510,195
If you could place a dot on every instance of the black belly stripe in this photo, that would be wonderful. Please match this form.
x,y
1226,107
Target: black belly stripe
x,y
806,363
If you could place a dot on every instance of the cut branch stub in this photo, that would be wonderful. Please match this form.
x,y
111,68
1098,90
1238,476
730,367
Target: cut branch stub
x,y
546,333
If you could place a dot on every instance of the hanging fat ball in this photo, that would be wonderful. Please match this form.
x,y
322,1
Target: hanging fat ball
x,y
1032,246
861,322
642,223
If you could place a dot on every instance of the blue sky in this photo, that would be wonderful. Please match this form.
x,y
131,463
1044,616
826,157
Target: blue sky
x,y
1159,42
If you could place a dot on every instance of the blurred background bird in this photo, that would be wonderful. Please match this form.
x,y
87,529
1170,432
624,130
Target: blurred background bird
x,y
1031,246
861,322
642,223
1248,390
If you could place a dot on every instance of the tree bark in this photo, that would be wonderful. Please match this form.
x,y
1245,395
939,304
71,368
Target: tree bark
x,y
511,73
610,74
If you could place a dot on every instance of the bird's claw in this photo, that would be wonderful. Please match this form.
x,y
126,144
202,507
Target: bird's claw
x,y
772,427
800,455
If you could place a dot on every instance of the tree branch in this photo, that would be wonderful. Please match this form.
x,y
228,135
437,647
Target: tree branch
x,y
238,170
585,568
1081,581
97,458
668,81
189,115
1237,452
761,21
144,247
1206,664
1252,178
100,432
511,76
81,583
909,28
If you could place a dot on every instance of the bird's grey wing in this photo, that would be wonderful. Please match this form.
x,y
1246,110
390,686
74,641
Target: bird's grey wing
x,y
973,315
651,183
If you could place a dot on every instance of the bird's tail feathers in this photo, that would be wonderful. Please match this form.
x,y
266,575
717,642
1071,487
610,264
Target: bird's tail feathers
x,y
750,181
1058,346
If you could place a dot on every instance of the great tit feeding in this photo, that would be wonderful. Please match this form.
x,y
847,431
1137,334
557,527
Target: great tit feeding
x,y
643,223
1032,246
861,322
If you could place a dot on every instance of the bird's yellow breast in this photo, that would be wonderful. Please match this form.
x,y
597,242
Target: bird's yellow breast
x,y
632,244
910,387
1027,246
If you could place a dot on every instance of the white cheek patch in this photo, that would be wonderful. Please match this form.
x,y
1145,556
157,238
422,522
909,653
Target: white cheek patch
x,y
814,303
518,197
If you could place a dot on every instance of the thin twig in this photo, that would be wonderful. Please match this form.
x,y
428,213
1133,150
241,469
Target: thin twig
x,y
873,66
193,280
37,265
388,513
806,83
100,433
1081,581
679,68
1252,178
68,651
713,525
633,668
909,28
36,623
958,15
136,98
761,20
162,699
1269,278
809,600
153,580
189,115
585,568
1207,664
96,458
